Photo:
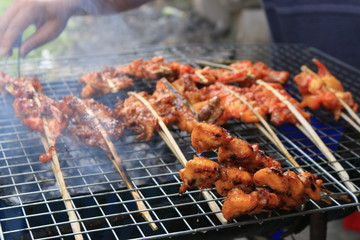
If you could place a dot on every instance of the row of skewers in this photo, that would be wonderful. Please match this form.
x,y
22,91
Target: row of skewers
x,y
251,181
186,97
249,104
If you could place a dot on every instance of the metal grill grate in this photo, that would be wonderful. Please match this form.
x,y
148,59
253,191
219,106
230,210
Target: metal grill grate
x,y
30,202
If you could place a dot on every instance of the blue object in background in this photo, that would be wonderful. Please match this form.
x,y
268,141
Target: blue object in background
x,y
332,26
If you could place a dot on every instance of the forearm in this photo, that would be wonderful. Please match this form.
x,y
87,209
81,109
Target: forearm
x,y
102,7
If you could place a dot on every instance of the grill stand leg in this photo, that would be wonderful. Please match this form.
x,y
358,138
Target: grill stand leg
x,y
318,226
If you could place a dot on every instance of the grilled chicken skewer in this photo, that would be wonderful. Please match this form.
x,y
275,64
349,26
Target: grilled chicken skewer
x,y
171,106
323,89
314,137
236,105
170,141
157,65
309,130
104,82
41,114
93,123
268,131
114,79
252,181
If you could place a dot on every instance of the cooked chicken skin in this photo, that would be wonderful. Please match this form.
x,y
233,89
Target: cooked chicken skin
x,y
84,127
233,178
239,203
312,185
209,137
272,178
267,201
104,82
295,195
238,153
35,109
323,89
251,181
199,172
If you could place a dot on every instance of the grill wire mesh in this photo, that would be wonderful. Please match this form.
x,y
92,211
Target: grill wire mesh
x,y
31,206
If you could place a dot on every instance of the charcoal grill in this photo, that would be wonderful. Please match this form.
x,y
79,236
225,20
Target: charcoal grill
x,y
31,206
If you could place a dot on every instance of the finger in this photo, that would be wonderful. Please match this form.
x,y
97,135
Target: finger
x,y
46,33
14,30
9,15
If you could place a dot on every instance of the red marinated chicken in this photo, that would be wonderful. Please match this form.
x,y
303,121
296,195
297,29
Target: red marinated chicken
x,y
104,82
85,127
323,89
251,181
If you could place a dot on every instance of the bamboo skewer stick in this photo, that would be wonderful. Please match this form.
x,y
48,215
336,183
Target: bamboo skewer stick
x,y
351,112
313,136
350,121
267,130
179,96
203,79
218,65
119,166
174,147
55,166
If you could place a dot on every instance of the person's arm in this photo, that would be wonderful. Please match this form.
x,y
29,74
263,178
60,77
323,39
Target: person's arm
x,y
50,18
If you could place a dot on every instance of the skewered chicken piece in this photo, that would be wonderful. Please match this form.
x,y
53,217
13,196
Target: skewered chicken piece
x,y
94,124
233,107
278,111
113,79
273,189
171,143
264,102
291,188
84,127
238,153
138,118
295,194
19,87
272,178
200,172
252,181
233,178
239,203
33,117
312,185
40,113
245,74
209,137
170,107
104,82
33,107
233,152
154,68
323,89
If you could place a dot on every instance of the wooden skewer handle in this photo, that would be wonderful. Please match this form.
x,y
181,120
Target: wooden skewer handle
x,y
118,164
55,166
174,147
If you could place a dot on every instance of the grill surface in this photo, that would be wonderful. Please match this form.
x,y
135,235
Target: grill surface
x,y
31,206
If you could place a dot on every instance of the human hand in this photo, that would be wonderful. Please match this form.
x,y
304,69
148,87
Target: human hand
x,y
48,16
